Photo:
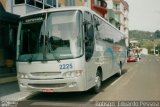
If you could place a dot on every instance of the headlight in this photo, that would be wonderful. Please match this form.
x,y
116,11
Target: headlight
x,y
71,74
22,76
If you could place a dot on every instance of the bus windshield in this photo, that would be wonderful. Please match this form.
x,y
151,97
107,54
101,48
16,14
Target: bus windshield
x,y
50,36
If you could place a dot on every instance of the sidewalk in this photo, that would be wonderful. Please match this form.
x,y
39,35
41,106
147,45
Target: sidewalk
x,y
7,75
8,88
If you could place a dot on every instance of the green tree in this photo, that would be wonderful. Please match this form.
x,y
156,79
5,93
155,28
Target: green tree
x,y
157,33
158,47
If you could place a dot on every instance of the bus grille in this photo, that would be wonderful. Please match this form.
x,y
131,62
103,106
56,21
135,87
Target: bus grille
x,y
47,85
49,74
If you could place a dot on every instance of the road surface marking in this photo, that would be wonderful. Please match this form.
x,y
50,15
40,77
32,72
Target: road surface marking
x,y
130,69
116,80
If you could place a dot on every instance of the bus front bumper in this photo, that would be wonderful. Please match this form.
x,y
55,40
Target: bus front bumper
x,y
53,85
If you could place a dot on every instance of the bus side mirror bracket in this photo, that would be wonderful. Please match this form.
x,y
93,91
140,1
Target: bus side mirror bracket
x,y
97,24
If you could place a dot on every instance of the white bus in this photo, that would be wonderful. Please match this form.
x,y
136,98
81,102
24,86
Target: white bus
x,y
66,50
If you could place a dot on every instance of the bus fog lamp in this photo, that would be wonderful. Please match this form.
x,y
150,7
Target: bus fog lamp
x,y
22,85
71,74
22,76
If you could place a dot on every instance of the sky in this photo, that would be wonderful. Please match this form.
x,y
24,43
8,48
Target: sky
x,y
144,15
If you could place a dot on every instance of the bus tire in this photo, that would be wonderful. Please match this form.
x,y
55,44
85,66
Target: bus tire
x,y
98,83
120,69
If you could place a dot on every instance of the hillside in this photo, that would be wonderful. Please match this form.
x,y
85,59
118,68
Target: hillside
x,y
140,35
146,39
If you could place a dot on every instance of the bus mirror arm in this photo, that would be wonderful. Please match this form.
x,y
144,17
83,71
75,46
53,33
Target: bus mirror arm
x,y
85,26
85,23
97,24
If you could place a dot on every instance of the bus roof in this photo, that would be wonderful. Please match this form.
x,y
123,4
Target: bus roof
x,y
83,8
57,9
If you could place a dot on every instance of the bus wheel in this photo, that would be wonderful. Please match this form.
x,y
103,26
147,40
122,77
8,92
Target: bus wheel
x,y
98,83
120,70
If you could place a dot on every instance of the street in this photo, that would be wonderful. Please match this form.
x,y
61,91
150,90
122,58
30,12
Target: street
x,y
52,52
139,82
8,88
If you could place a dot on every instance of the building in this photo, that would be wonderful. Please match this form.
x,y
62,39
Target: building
x,y
8,34
22,7
70,2
115,11
118,16
134,43
99,6
112,17
144,51
126,20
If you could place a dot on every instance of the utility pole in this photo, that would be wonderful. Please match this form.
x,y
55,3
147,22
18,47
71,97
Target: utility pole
x,y
152,39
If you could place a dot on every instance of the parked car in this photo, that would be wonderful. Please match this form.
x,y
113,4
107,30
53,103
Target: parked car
x,y
131,59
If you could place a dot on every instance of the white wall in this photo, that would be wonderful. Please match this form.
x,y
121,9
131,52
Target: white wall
x,y
31,9
23,9
144,51
19,9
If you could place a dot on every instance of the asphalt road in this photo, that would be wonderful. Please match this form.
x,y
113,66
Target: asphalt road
x,y
8,88
139,82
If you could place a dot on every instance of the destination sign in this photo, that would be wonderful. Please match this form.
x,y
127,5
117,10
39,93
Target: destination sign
x,y
33,19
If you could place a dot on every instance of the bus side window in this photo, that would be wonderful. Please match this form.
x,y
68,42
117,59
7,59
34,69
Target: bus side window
x,y
89,36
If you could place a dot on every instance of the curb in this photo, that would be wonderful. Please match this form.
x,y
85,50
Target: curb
x,y
8,79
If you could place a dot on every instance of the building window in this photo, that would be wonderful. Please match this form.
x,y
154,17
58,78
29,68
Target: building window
x,y
117,6
19,1
70,2
54,3
31,2
49,2
97,2
39,5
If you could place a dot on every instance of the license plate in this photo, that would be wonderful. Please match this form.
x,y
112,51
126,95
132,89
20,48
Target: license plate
x,y
47,90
